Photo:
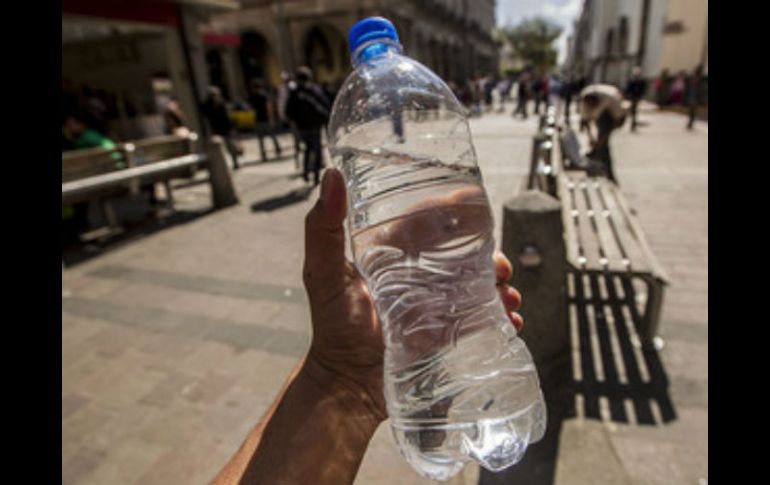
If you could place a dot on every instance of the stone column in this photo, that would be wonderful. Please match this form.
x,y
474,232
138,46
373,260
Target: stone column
x,y
196,53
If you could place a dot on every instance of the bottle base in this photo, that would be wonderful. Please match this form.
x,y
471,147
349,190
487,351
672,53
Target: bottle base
x,y
439,451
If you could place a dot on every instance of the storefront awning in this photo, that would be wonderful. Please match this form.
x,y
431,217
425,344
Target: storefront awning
x,y
212,38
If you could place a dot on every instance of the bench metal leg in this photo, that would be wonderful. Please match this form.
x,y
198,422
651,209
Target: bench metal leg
x,y
169,194
652,313
109,214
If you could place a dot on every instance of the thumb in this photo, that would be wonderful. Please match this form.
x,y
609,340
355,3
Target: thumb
x,y
325,234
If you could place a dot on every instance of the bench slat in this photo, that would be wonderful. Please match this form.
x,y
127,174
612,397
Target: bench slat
x,y
641,240
588,242
568,221
626,236
615,260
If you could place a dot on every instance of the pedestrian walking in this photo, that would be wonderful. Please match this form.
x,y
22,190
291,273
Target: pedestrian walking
x,y
309,108
284,90
635,89
677,89
537,93
567,90
476,97
504,92
554,94
693,95
216,113
488,85
262,101
523,91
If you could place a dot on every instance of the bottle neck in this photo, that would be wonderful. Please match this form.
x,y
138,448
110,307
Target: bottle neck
x,y
375,48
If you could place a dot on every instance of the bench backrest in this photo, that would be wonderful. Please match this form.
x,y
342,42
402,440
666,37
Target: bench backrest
x,y
161,148
546,161
79,164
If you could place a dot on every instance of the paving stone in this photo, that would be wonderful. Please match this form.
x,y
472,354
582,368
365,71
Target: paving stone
x,y
125,463
71,403
179,341
587,456
79,466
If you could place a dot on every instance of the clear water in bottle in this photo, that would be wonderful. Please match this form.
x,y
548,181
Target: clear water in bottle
x,y
459,383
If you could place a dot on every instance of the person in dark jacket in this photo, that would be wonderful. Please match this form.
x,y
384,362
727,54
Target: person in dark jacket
x,y
261,100
692,95
635,89
568,88
537,93
309,108
523,95
215,111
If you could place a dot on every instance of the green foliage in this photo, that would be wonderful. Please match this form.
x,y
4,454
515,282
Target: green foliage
x,y
532,40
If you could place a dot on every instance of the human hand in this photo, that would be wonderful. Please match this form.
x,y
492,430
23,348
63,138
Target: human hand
x,y
347,345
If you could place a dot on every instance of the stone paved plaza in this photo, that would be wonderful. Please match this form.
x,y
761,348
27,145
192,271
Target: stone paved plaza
x,y
175,343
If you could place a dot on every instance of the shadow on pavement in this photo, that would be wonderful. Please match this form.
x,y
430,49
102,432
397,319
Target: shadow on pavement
x,y
273,203
74,254
609,377
258,161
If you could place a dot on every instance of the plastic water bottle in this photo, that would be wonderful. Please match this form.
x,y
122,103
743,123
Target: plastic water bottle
x,y
459,383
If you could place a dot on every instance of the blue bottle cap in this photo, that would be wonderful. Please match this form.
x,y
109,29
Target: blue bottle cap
x,y
370,29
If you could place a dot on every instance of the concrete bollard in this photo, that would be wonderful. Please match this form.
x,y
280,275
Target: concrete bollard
x,y
533,241
222,190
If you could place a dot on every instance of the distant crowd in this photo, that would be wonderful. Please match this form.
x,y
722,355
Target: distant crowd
x,y
534,90
300,106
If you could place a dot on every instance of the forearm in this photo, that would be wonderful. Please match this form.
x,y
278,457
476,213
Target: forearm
x,y
316,432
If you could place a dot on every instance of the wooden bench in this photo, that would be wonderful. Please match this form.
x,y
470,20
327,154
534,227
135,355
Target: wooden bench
x,y
603,236
103,174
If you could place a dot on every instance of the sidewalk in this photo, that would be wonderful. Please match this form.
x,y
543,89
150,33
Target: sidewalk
x,y
175,344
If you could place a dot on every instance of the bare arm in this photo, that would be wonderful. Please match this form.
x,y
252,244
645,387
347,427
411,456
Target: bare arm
x,y
316,431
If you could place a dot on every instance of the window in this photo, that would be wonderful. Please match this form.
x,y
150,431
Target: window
x,y
673,27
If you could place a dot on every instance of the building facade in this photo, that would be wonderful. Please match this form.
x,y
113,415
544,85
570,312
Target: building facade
x,y
135,54
685,36
265,38
610,37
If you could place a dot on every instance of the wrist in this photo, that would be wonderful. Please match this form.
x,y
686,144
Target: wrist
x,y
345,393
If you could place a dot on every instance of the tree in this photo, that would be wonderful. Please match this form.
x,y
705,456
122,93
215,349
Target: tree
x,y
532,40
